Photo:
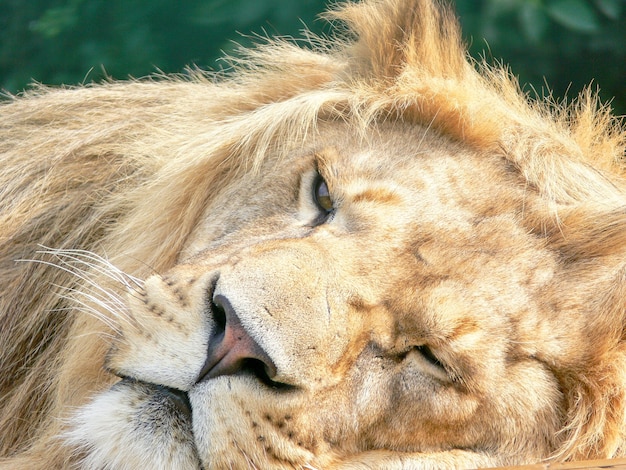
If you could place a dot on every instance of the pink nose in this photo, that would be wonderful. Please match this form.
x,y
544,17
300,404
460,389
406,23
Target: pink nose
x,y
231,349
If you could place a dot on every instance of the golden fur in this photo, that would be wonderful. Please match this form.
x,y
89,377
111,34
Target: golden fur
x,y
519,286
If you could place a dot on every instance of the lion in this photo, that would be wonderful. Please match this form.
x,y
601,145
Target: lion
x,y
372,252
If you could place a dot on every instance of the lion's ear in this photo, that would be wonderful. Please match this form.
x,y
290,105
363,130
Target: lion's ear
x,y
408,57
396,37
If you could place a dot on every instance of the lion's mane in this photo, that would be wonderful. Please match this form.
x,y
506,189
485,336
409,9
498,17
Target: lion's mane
x,y
122,169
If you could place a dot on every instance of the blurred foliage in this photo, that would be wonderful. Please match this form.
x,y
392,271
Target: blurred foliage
x,y
564,43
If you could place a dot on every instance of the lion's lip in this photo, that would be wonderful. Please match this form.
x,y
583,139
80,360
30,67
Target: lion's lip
x,y
178,398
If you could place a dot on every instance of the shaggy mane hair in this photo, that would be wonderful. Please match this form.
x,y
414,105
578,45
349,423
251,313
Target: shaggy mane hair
x,y
90,168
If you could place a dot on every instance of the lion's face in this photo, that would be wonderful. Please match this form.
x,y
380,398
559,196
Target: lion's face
x,y
370,253
354,299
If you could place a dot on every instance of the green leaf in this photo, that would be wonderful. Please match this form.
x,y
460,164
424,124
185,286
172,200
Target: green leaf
x,y
240,13
610,8
577,15
55,21
533,21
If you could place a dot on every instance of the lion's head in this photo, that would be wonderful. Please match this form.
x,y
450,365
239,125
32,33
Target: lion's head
x,y
374,254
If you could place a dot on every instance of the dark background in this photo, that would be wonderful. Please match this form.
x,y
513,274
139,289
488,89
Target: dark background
x,y
565,44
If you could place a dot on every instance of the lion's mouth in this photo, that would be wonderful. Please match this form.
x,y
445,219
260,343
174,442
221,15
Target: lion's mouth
x,y
178,399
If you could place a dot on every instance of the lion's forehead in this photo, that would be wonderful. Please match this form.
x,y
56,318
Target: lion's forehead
x,y
443,211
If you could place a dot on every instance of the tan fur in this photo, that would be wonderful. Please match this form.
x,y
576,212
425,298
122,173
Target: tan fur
x,y
467,217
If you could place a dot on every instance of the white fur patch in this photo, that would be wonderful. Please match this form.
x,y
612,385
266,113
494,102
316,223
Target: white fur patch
x,y
132,426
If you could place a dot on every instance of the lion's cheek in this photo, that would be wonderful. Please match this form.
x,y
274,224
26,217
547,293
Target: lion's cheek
x,y
165,338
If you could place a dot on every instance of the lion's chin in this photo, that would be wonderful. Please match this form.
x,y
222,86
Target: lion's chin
x,y
135,425
242,422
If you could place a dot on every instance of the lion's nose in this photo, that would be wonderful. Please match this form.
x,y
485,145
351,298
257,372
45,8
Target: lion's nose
x,y
231,349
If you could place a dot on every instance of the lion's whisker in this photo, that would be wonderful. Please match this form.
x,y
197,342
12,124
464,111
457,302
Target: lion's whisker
x,y
101,265
93,293
84,305
110,304
86,309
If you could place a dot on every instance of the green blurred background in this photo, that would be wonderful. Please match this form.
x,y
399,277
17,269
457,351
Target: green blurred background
x,y
565,44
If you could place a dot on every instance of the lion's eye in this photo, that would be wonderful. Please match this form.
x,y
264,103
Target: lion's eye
x,y
426,352
321,195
